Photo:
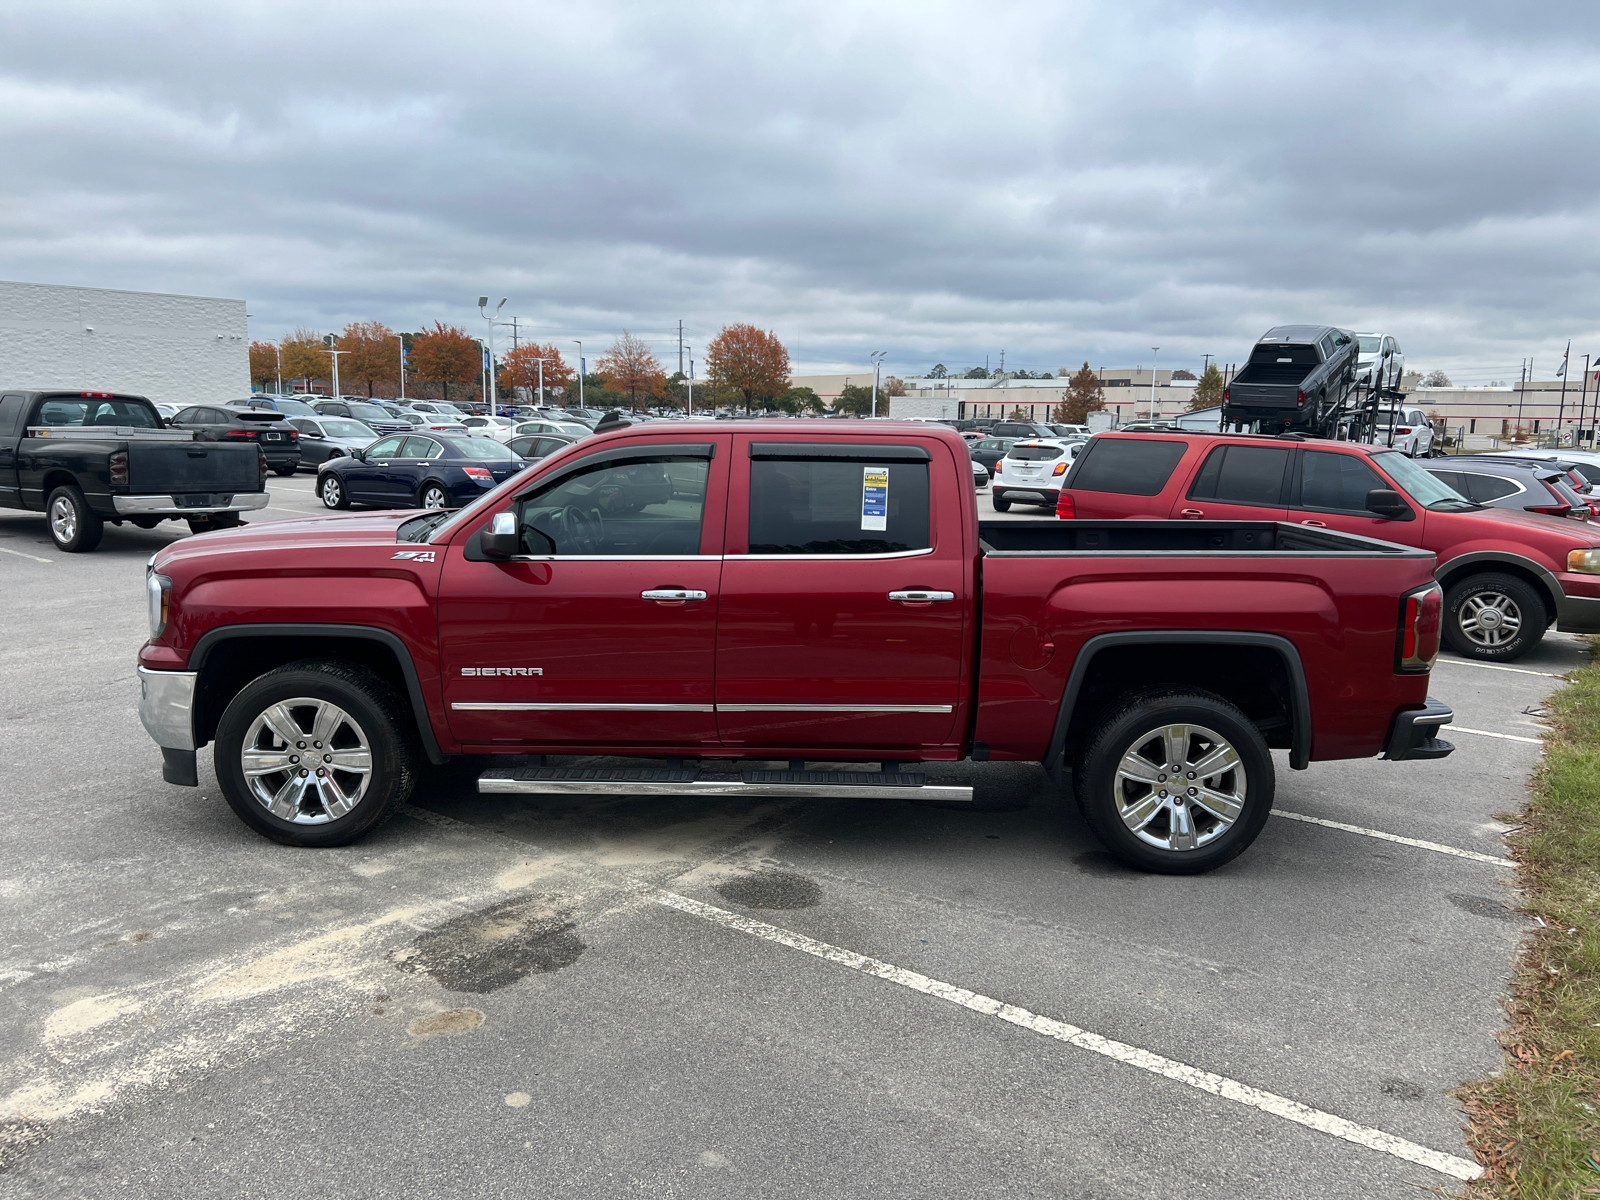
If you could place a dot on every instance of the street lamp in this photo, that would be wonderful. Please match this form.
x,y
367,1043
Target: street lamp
x,y
580,371
483,304
877,357
335,353
689,382
1154,350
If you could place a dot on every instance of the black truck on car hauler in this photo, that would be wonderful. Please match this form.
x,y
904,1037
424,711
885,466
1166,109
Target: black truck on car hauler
x,y
1300,378
85,458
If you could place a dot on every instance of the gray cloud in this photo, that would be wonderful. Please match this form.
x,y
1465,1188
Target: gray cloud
x,y
938,180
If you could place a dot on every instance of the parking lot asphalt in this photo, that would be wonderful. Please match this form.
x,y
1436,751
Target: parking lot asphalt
x,y
506,995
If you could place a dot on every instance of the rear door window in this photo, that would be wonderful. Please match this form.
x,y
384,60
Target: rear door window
x,y
1485,488
1127,466
1336,482
1242,475
828,506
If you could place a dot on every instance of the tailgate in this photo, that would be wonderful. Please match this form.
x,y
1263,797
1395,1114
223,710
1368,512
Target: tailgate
x,y
193,467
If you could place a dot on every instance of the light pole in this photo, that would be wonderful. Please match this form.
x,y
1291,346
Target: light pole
x,y
689,383
877,361
1154,350
541,362
403,357
483,304
335,354
580,371
279,350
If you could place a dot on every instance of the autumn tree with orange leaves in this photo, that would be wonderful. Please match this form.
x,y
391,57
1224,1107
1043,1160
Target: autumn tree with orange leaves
x,y
629,366
263,364
371,354
520,369
743,359
305,357
444,355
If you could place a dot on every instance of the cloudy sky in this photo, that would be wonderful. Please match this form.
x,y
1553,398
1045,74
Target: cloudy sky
x,y
944,181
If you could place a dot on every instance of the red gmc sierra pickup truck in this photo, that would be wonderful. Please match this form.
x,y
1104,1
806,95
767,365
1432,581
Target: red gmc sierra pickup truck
x,y
1507,575
812,593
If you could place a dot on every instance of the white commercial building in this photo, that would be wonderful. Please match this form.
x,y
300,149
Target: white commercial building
x,y
171,349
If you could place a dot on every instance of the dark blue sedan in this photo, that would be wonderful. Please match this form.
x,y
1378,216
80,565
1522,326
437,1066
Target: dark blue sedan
x,y
417,471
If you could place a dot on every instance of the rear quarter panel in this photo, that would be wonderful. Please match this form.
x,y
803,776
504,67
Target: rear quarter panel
x,y
1340,611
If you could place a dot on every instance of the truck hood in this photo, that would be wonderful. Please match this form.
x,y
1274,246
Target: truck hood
x,y
300,533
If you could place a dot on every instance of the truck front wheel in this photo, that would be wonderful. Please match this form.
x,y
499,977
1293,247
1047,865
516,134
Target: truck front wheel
x,y
1493,617
74,526
314,753
1175,780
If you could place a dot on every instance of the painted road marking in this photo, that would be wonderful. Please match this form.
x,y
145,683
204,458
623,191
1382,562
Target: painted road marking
x,y
20,554
1394,837
1506,737
1467,662
1133,1056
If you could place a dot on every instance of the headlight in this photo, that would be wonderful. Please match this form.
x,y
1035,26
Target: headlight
x,y
1587,561
158,591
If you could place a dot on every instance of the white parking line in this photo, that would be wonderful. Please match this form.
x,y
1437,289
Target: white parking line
x,y
1505,737
1133,1056
1394,837
20,554
1467,662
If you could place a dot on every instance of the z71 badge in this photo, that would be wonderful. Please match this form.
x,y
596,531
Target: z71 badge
x,y
417,555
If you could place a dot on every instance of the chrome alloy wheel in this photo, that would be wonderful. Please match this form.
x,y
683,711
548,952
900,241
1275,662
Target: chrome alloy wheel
x,y
433,497
331,491
63,520
1179,787
1490,619
306,761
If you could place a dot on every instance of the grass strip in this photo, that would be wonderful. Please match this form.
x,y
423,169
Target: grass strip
x,y
1535,1126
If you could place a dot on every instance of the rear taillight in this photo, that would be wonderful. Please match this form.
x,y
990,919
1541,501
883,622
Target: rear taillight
x,y
1227,394
294,435
1061,469
1299,397
1551,510
239,433
481,474
1066,506
1403,429
1421,615
119,468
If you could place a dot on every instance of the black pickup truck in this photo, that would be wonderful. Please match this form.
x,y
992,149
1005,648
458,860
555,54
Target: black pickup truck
x,y
85,458
1299,377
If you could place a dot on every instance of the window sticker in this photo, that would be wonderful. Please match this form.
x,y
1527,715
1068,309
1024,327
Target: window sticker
x,y
875,498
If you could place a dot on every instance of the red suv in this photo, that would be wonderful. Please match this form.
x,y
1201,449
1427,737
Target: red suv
x,y
1507,575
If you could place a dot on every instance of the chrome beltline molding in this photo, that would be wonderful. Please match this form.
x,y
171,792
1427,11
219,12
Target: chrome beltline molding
x,y
474,706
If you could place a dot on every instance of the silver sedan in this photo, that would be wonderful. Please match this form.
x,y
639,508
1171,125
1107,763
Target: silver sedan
x,y
324,438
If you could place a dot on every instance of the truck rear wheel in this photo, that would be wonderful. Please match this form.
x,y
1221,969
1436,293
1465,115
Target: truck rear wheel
x,y
315,753
1175,780
74,526
1493,617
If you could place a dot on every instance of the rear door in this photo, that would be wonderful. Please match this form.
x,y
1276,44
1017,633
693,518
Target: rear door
x,y
1328,490
844,596
12,406
1238,483
1132,476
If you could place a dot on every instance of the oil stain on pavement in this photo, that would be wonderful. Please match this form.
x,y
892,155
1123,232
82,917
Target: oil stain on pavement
x,y
494,947
770,889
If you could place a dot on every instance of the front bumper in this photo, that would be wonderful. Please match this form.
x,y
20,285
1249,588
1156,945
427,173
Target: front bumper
x,y
1414,733
166,709
1578,614
167,506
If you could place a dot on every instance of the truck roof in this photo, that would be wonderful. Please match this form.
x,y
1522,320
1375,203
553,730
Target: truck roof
x,y
844,431
1249,439
1298,333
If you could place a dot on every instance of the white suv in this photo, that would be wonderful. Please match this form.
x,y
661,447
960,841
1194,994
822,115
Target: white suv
x,y
1380,359
1413,434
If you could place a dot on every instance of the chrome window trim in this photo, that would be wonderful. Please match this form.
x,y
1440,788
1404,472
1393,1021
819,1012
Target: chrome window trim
x,y
839,708
830,557
615,558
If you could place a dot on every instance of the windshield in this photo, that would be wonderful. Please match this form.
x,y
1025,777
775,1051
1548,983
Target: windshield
x,y
335,427
1427,490
368,412
482,449
1371,345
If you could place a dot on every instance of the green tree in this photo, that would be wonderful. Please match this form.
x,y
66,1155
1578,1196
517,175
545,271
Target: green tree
x,y
854,398
937,371
1181,373
1082,398
978,373
1209,393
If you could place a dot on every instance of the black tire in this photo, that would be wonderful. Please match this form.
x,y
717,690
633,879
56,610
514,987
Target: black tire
x,y
212,522
373,716
330,488
74,526
146,522
287,469
1001,503
1467,617
1129,731
433,495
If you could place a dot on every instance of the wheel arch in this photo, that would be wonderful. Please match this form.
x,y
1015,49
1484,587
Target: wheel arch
x,y
1261,673
1547,587
226,659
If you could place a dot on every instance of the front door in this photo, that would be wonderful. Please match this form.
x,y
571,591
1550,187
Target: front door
x,y
603,632
844,597
366,480
1329,490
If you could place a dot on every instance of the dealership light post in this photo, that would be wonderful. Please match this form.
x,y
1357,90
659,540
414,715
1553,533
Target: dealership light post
x,y
1154,351
689,382
877,362
483,306
541,362
403,356
580,371
335,354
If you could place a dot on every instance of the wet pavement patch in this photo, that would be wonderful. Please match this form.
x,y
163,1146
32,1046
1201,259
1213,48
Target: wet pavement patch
x,y
445,1024
1401,1089
771,889
494,947
17,1137
1484,906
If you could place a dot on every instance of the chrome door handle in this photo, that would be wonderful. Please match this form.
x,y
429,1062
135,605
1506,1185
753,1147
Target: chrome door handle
x,y
920,597
1191,514
678,595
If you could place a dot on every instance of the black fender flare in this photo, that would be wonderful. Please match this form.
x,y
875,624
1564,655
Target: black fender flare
x,y
1300,697
210,640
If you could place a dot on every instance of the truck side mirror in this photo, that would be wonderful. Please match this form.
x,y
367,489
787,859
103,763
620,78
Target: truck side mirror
x,y
501,540
1388,504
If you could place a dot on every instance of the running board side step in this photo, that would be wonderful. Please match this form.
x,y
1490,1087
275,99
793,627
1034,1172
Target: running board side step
x,y
656,781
